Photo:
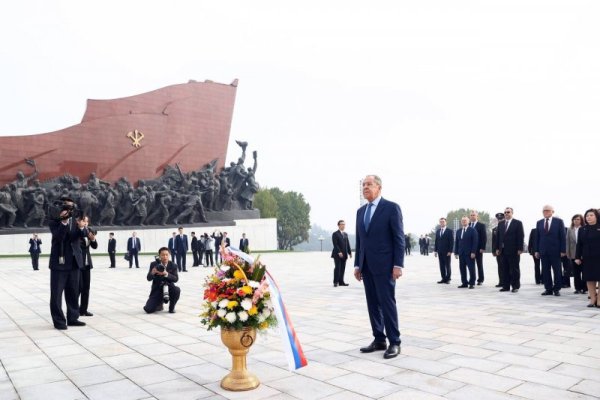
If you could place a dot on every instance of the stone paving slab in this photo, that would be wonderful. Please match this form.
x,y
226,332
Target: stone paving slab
x,y
456,343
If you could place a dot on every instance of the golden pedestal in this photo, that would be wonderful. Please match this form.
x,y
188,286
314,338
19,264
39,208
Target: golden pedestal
x,y
239,342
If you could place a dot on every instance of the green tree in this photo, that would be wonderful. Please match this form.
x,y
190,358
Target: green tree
x,y
292,213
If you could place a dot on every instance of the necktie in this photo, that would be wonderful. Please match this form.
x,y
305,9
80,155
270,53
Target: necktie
x,y
463,232
505,226
368,216
546,226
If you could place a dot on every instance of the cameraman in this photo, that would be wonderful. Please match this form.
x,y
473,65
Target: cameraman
x,y
163,274
65,262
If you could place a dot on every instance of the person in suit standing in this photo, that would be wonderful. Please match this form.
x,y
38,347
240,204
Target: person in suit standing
x,y
588,254
499,218
65,262
163,274
482,242
444,243
466,247
181,247
172,247
426,241
572,232
85,277
133,248
531,245
510,247
112,249
194,244
378,262
35,248
340,253
407,244
218,238
551,246
244,244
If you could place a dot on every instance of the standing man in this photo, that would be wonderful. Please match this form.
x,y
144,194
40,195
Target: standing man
x,y
499,218
65,263
35,248
85,277
510,247
426,241
378,263
340,253
551,246
482,242
195,250
218,237
244,244
112,249
172,247
181,247
465,249
444,242
133,248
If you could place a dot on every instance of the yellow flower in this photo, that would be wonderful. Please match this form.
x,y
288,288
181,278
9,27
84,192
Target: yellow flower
x,y
237,274
253,311
232,304
246,289
263,325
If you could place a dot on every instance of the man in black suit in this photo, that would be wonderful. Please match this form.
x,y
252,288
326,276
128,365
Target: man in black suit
x,y
218,237
163,274
133,248
531,245
194,245
510,247
244,243
35,248
482,235
172,247
465,249
378,262
112,249
551,246
181,247
444,242
499,218
340,253
65,262
85,276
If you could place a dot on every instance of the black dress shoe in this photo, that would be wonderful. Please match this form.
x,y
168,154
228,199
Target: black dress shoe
x,y
335,285
110,267
76,323
447,282
498,285
589,305
374,346
479,283
547,293
442,281
86,314
556,293
392,351
471,286
344,284
462,286
504,290
172,311
60,327
515,290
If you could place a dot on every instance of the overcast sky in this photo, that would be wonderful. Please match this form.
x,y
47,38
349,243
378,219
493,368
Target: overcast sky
x,y
477,104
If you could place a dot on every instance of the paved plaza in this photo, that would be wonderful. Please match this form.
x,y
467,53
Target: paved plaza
x,y
456,343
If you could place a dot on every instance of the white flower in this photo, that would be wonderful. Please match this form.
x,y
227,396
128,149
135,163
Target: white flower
x,y
253,284
247,304
214,304
268,304
230,317
261,318
266,312
223,303
221,313
225,268
243,316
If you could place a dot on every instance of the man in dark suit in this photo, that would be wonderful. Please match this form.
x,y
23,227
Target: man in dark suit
x,y
194,245
35,248
244,243
465,249
531,246
510,247
65,263
133,248
112,249
379,259
551,246
482,242
163,274
340,253
444,242
85,276
172,247
181,247
499,218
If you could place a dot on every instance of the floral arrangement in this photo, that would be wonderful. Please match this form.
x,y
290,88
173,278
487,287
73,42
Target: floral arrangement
x,y
237,294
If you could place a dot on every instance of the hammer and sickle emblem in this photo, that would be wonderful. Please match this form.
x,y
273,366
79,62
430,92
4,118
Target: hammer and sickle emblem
x,y
136,137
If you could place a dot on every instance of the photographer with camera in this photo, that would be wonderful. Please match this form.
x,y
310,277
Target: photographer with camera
x,y
65,262
163,274
86,272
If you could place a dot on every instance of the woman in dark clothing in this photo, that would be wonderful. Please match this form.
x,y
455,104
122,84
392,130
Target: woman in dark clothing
x,y
572,232
588,253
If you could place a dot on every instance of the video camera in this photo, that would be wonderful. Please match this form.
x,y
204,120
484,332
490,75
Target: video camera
x,y
161,268
64,204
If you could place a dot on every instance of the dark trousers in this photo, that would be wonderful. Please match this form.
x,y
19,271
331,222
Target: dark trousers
x,y
512,271
173,254
35,257
500,270
155,301
113,263
445,267
85,278
339,270
134,256
181,261
465,261
196,259
209,257
552,263
381,302
67,282
537,270
578,277
567,271
479,261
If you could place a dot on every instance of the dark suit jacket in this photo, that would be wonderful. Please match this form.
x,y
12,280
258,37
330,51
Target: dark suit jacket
x,y
65,242
341,244
39,246
130,247
194,243
382,246
157,281
112,245
85,252
510,242
467,242
171,246
181,245
552,242
444,244
244,243
481,234
532,242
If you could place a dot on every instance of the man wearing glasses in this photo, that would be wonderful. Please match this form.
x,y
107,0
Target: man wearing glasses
x,y
550,247
509,247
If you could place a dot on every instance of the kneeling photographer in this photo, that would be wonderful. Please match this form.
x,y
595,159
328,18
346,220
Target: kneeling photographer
x,y
163,274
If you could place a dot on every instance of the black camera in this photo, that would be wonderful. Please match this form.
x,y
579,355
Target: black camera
x,y
160,268
55,210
